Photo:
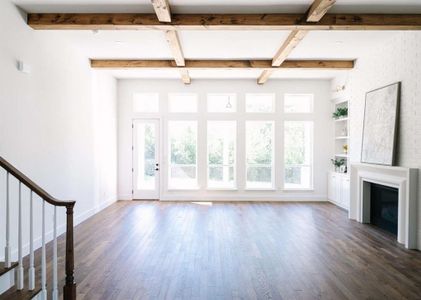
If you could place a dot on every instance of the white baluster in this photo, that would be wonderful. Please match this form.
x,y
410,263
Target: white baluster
x,y
19,284
31,271
43,259
55,275
7,250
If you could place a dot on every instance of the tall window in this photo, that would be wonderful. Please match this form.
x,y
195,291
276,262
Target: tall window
x,y
183,154
298,155
222,137
259,154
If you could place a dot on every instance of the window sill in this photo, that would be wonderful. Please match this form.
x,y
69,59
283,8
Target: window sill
x,y
298,189
222,189
260,189
183,189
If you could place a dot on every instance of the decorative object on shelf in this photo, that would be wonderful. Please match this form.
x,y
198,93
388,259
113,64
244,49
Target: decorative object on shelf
x,y
380,125
344,131
338,163
343,169
341,112
345,148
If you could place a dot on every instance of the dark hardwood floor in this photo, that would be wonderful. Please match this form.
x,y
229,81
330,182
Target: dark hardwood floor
x,y
155,250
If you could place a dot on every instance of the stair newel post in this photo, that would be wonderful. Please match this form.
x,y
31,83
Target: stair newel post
x,y
69,290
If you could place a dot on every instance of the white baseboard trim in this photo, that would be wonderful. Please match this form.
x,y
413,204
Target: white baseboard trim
x,y
419,239
254,198
61,229
89,213
125,197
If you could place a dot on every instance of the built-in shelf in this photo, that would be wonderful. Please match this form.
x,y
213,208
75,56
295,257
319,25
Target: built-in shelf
x,y
342,137
341,155
341,119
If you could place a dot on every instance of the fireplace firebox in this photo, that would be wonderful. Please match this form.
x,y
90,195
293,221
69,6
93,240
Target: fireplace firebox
x,y
384,207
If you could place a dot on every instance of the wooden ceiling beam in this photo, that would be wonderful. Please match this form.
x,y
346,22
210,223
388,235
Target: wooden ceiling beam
x,y
293,39
290,43
175,46
162,10
318,9
225,22
223,64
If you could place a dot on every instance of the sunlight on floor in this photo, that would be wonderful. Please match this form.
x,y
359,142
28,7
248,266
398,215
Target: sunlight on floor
x,y
204,203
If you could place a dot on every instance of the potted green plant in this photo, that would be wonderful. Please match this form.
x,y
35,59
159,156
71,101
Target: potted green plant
x,y
338,163
341,112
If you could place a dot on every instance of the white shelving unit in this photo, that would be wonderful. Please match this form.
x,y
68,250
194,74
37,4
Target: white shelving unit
x,y
339,183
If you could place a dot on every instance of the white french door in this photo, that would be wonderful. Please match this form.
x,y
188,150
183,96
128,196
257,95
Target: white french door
x,y
146,137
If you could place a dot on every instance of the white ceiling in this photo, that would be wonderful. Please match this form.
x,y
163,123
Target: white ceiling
x,y
220,44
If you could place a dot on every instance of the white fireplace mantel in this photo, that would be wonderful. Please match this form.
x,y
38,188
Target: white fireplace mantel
x,y
404,179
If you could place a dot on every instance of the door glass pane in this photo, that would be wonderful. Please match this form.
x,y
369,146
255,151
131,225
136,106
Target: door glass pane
x,y
146,156
183,154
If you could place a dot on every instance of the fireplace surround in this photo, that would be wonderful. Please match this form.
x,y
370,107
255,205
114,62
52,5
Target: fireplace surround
x,y
405,180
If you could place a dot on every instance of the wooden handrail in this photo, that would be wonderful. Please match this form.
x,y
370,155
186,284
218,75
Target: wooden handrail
x,y
69,289
33,186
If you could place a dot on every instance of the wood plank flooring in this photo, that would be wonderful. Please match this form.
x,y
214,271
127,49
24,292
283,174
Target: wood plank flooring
x,y
159,250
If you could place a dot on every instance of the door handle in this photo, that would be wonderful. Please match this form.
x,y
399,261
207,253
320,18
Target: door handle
x,y
156,169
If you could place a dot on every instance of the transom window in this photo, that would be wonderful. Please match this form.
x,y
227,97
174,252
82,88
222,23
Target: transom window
x,y
222,103
260,103
298,103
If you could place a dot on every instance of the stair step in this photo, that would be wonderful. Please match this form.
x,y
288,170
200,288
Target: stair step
x,y
4,269
14,294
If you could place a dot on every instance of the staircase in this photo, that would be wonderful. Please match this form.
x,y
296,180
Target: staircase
x,y
20,276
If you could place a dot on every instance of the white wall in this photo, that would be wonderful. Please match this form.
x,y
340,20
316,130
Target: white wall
x,y
323,132
52,122
399,59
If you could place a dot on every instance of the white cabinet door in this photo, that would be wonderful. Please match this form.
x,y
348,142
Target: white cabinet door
x,y
331,186
345,192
